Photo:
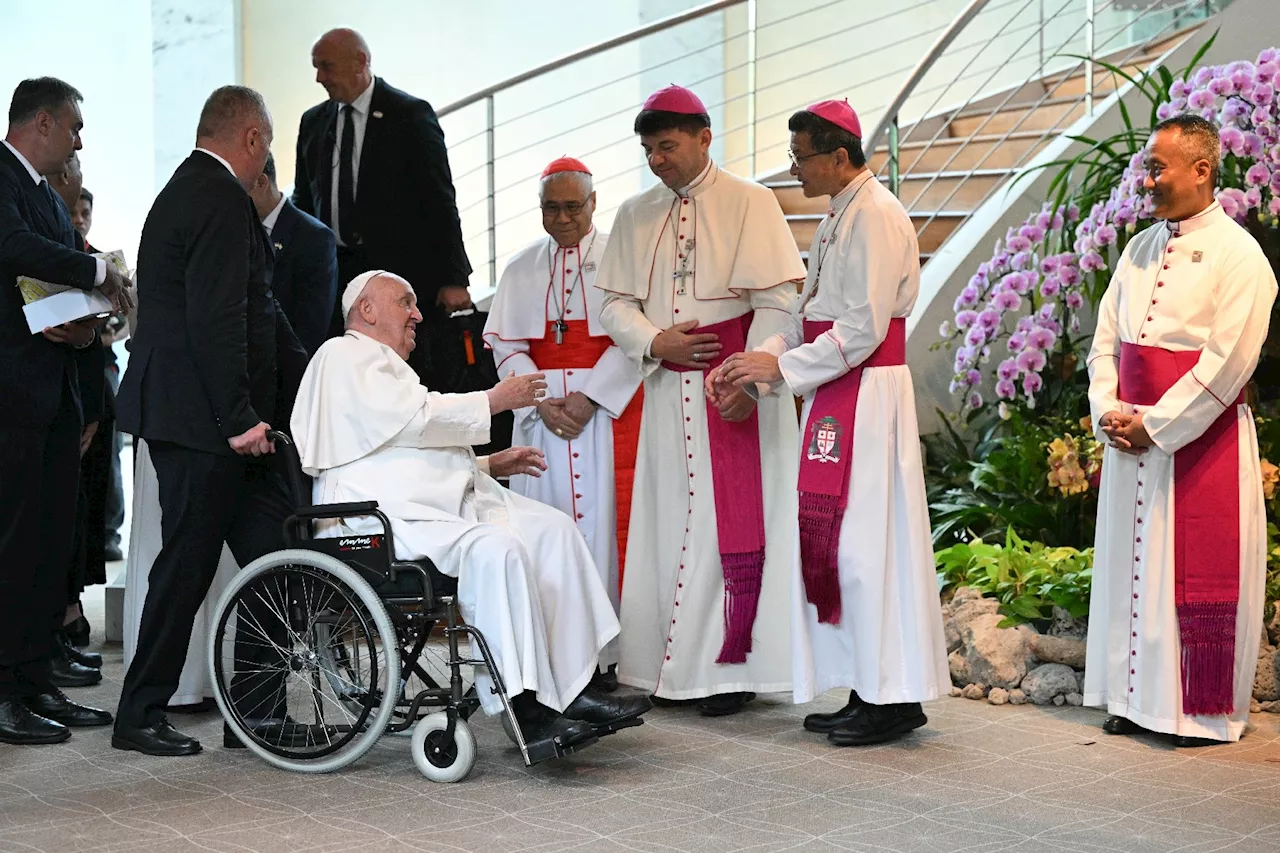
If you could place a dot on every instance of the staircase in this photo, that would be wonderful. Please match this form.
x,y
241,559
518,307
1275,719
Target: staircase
x,y
955,160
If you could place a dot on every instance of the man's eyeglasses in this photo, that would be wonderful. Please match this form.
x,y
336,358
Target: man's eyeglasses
x,y
552,210
796,161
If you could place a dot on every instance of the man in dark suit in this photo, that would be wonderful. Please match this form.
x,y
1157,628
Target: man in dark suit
x,y
373,166
41,421
201,388
304,276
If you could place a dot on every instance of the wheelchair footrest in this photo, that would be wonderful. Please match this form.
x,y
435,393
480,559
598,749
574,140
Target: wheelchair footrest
x,y
611,728
545,750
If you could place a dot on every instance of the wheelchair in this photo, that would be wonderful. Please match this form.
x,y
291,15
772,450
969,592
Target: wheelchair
x,y
312,648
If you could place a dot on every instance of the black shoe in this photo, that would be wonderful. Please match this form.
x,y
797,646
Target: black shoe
x,y
724,704
878,723
1188,742
54,705
823,723
78,631
204,706
663,702
92,660
605,682
112,552
601,709
1114,725
19,726
68,673
539,724
156,739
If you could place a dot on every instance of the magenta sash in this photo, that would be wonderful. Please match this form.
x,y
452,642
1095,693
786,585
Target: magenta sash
x,y
1206,531
825,463
739,500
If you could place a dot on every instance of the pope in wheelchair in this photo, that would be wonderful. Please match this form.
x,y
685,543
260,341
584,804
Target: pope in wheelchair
x,y
386,451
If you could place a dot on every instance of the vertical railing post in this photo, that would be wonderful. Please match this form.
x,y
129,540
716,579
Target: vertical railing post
x,y
751,85
490,177
1041,39
1088,54
894,178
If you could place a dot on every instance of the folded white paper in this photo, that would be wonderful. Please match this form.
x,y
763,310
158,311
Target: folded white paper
x,y
54,304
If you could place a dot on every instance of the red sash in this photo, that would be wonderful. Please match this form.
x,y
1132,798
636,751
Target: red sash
x,y
739,500
1206,531
580,351
825,463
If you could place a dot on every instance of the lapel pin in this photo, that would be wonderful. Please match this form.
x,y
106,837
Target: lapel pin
x,y
279,246
377,113
589,266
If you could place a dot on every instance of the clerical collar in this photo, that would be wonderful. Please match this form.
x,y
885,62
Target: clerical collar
x,y
26,164
269,221
1203,219
841,200
699,184
361,103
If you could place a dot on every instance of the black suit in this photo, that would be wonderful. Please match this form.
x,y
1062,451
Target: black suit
x,y
40,422
406,214
202,370
304,277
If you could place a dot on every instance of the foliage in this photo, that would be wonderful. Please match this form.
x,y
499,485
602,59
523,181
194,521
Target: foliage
x,y
1028,578
1007,479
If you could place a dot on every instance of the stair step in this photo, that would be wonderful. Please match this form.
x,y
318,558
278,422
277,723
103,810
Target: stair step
x,y
938,230
1053,113
960,153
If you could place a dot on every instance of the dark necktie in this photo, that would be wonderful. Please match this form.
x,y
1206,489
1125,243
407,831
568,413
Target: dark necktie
x,y
346,178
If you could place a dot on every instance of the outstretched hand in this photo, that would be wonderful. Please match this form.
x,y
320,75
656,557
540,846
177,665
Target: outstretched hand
x,y
517,460
517,392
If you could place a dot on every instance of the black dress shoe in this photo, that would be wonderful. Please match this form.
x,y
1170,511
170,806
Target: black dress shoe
x,y
21,727
605,682
601,709
1188,742
92,660
68,673
538,723
878,723
156,739
823,723
724,704
663,702
55,706
1114,725
78,631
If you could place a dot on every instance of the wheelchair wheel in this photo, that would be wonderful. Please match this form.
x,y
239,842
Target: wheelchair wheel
x,y
440,758
305,661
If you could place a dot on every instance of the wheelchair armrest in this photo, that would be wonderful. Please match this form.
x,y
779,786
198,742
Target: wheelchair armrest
x,y
337,510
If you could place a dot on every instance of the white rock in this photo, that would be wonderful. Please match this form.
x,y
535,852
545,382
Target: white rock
x,y
998,696
1050,649
974,691
1017,697
996,656
1059,699
956,691
1075,699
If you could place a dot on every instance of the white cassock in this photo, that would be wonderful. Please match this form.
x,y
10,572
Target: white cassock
x,y
195,684
367,430
864,271
743,258
545,283
1206,289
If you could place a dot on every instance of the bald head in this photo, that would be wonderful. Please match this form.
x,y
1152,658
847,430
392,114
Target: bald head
x,y
342,62
236,125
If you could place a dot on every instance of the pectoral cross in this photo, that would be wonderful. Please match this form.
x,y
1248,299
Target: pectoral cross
x,y
560,327
684,272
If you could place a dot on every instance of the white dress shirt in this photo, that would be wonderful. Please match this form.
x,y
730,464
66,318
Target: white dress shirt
x,y
100,273
269,221
359,119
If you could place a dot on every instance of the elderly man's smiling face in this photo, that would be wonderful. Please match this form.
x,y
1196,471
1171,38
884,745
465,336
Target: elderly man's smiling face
x,y
389,311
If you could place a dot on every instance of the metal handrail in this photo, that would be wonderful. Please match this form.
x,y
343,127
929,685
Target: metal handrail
x,y
590,51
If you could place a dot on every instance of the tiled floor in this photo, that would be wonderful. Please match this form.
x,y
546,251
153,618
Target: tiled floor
x,y
978,779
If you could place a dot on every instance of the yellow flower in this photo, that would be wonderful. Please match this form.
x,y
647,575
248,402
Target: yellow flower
x,y
1270,478
1065,473
1086,424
